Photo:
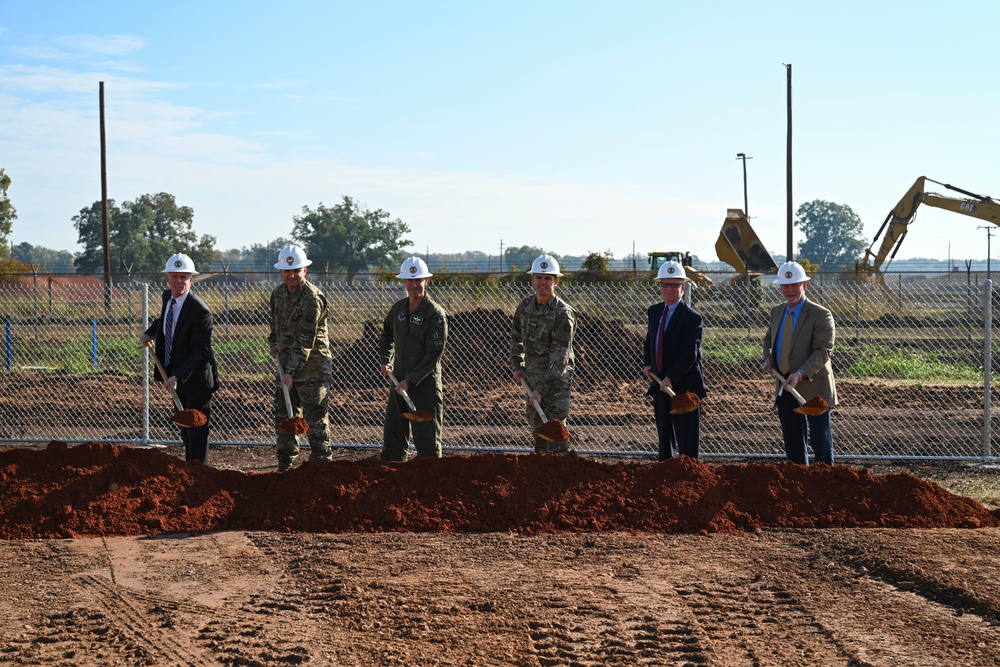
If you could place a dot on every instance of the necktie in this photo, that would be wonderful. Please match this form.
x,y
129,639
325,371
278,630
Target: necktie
x,y
659,339
786,343
168,333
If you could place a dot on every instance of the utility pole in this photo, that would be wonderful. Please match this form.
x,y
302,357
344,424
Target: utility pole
x,y
501,255
989,235
788,169
746,206
105,221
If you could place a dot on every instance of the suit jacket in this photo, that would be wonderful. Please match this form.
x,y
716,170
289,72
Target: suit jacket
x,y
192,360
681,348
812,345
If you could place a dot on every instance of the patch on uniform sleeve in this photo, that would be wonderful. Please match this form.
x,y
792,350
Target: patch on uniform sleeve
x,y
567,328
437,340
439,322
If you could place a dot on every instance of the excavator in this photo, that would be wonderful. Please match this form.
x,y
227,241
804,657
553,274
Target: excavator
x,y
899,218
737,245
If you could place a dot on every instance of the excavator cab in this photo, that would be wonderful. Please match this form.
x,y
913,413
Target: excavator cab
x,y
739,247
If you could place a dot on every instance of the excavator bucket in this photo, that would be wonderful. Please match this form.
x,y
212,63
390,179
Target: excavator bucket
x,y
739,246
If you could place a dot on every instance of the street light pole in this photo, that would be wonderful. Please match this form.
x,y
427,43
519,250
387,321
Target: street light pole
x,y
746,206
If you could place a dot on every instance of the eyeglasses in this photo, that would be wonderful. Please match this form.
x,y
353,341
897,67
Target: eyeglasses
x,y
669,285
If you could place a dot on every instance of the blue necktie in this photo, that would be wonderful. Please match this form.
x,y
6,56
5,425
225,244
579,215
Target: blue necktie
x,y
168,333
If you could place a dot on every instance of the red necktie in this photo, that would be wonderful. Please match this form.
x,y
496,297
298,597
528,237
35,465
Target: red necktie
x,y
659,339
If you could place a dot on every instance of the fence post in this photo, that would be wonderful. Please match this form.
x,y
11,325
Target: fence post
x,y
145,367
987,370
8,345
93,341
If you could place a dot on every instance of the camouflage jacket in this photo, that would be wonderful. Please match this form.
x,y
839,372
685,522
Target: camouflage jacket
x,y
298,329
541,342
413,342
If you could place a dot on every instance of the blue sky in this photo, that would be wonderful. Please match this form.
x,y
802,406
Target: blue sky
x,y
572,126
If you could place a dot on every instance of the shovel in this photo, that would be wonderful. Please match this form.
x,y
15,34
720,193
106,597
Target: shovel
x,y
552,430
413,414
292,425
679,403
183,418
814,406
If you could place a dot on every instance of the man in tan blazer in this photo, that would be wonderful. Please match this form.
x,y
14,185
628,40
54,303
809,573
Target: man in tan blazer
x,y
798,344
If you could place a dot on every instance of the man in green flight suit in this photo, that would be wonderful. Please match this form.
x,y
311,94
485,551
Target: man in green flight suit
x,y
413,338
541,349
298,339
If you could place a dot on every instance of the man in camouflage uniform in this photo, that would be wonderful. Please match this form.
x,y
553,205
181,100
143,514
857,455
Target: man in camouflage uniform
x,y
541,349
298,339
413,337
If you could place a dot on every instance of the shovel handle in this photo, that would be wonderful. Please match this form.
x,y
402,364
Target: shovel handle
x,y
173,392
791,390
538,408
284,389
670,392
406,397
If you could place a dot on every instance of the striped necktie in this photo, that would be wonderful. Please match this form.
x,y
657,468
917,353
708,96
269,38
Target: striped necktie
x,y
168,333
786,343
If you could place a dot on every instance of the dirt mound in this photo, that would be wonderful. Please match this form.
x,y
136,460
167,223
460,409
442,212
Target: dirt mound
x,y
101,489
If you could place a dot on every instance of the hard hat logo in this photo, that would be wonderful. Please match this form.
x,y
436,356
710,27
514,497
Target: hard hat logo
x,y
178,263
788,274
544,265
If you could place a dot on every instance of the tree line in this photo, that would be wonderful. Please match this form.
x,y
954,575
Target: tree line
x,y
343,238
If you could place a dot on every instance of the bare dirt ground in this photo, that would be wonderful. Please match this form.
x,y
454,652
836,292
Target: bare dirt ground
x,y
845,596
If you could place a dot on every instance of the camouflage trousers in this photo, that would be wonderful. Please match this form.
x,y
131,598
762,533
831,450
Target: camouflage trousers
x,y
555,406
309,401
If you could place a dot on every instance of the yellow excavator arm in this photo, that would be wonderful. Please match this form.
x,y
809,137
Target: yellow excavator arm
x,y
896,223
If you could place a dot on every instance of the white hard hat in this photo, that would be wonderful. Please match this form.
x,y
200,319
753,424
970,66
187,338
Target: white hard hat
x,y
292,257
671,269
791,273
180,263
415,268
545,264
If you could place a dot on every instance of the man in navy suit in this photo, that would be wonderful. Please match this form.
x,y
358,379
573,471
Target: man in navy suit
x,y
183,338
672,351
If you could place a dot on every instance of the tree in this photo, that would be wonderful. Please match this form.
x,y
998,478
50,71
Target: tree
x,y
834,234
143,234
521,258
349,239
45,259
597,262
7,213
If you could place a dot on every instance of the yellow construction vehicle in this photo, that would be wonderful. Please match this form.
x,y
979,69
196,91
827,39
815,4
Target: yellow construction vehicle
x,y
739,247
899,218
658,257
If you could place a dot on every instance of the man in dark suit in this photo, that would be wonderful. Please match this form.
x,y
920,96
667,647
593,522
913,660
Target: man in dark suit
x,y
183,338
798,344
672,351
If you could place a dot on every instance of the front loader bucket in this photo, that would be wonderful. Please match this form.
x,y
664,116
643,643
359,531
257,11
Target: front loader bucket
x,y
739,247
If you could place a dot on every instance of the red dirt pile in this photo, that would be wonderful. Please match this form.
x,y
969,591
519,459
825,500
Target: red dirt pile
x,y
100,489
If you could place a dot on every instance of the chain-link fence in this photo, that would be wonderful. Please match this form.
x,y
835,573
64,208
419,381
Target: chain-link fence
x,y
910,362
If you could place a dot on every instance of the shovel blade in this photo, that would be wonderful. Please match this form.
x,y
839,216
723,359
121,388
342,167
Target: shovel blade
x,y
684,403
814,406
189,418
418,416
554,431
294,425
